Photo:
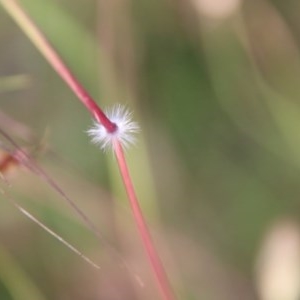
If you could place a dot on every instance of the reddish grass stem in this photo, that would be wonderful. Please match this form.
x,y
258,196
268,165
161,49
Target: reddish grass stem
x,y
36,36
38,39
141,224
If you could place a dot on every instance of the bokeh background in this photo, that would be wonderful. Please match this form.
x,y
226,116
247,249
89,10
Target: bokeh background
x,y
214,85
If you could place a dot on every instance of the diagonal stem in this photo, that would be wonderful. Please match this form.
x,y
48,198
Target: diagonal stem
x,y
154,260
46,228
38,39
41,43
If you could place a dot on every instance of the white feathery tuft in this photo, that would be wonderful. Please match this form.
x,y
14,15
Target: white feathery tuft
x,y
126,128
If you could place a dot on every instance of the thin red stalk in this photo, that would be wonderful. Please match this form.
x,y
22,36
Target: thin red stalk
x,y
20,156
56,62
52,57
155,262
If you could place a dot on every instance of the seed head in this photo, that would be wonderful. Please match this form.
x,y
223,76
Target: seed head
x,y
124,133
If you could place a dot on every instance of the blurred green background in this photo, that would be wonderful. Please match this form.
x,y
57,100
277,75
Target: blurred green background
x,y
215,87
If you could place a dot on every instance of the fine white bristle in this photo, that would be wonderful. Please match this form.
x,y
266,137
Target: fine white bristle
x,y
124,134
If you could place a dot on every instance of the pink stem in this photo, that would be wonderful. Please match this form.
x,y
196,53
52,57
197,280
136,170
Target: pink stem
x,y
56,62
154,259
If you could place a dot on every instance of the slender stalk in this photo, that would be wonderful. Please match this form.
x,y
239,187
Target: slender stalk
x,y
55,61
46,228
19,156
41,43
154,259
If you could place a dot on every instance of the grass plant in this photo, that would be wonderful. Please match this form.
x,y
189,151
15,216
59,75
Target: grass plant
x,y
114,132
